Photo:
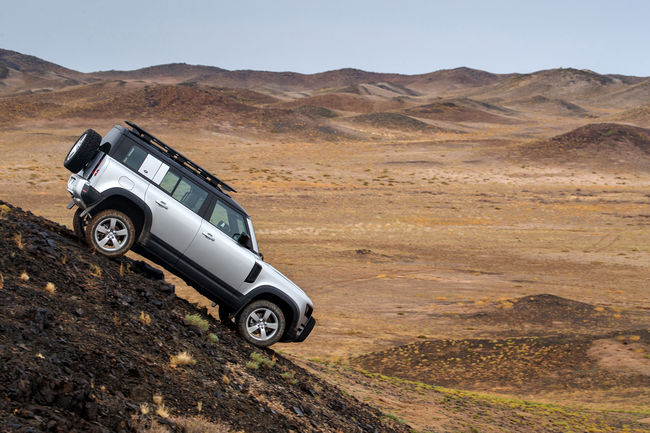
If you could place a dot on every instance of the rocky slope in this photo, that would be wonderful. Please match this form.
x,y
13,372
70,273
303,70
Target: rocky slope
x,y
91,344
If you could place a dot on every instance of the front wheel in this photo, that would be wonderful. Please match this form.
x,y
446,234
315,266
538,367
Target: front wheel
x,y
261,323
111,233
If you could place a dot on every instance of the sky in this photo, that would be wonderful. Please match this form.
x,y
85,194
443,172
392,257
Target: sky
x,y
401,36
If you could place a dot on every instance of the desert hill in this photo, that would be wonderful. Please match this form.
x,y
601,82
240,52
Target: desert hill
x,y
20,72
462,110
88,344
598,144
551,106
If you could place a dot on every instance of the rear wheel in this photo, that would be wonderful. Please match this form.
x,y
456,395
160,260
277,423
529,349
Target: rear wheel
x,y
83,151
111,233
79,225
261,323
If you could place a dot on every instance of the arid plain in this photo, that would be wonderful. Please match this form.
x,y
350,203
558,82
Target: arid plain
x,y
488,233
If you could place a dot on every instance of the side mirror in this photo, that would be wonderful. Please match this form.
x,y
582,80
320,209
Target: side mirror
x,y
243,240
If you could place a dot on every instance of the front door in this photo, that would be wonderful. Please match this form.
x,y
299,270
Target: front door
x,y
215,250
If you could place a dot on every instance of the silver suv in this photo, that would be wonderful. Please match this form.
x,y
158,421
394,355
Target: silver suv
x,y
135,192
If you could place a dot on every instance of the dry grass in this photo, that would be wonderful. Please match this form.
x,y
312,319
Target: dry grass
x,y
162,411
199,424
157,399
144,318
50,288
18,238
2,281
95,270
182,358
24,277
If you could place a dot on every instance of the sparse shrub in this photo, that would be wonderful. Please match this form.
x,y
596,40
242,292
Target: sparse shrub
x,y
18,238
262,360
24,276
144,318
213,338
95,270
289,377
182,358
4,211
144,409
225,380
198,321
50,288
252,365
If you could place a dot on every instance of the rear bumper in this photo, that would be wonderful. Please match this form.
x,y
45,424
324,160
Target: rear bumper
x,y
83,194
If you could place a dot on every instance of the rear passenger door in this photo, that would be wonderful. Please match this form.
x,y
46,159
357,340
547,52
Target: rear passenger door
x,y
175,203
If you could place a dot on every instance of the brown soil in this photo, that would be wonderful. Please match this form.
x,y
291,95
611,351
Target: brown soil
x,y
546,312
519,365
77,353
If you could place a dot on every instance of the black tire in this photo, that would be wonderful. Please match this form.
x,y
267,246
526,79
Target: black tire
x,y
83,151
79,225
111,233
226,319
258,317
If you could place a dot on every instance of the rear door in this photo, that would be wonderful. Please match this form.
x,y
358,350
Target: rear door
x,y
175,203
216,251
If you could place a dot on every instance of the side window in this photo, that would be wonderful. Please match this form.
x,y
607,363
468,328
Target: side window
x,y
134,158
190,195
227,220
168,183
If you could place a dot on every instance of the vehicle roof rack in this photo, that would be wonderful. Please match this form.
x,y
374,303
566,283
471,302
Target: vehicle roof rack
x,y
180,158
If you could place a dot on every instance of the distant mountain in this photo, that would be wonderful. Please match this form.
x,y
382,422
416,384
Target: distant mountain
x,y
562,83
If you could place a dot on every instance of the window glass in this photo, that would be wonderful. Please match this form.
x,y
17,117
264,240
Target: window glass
x,y
228,221
169,182
134,158
190,195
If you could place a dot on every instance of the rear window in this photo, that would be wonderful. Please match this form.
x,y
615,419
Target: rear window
x,y
134,158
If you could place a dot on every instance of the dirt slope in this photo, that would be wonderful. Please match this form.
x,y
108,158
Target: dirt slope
x,y
86,343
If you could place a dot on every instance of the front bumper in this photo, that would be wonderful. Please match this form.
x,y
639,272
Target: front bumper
x,y
309,326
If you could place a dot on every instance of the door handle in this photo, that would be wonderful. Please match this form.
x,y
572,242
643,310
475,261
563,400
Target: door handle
x,y
209,236
162,204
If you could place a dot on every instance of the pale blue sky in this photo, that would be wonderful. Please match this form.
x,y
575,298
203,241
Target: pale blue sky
x,y
313,36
